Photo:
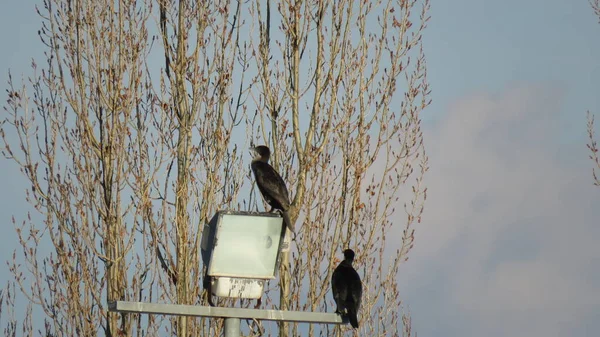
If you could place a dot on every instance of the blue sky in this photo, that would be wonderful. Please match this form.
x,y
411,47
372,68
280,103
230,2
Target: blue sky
x,y
508,244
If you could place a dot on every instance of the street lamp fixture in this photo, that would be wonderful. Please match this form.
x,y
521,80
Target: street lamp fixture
x,y
240,251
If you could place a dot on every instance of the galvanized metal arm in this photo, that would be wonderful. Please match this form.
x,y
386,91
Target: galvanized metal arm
x,y
231,315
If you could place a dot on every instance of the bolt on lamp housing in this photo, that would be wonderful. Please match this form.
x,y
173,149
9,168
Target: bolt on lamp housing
x,y
240,250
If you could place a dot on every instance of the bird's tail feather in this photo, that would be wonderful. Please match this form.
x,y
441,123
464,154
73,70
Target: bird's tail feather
x,y
288,222
352,317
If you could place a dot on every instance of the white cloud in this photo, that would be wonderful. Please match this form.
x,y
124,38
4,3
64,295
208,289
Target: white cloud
x,y
508,244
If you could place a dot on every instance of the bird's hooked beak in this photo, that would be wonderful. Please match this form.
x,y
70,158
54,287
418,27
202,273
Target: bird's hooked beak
x,y
252,150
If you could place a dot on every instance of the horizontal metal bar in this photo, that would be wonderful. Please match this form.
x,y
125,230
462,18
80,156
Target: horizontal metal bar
x,y
204,311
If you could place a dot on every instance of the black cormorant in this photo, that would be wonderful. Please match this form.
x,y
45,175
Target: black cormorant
x,y
347,288
271,185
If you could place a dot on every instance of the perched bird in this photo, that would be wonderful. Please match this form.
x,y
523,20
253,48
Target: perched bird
x,y
347,288
271,185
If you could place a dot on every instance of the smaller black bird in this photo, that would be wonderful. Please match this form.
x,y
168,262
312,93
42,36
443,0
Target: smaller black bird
x,y
347,288
271,185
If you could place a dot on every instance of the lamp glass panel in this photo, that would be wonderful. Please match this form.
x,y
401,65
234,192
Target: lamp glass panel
x,y
246,246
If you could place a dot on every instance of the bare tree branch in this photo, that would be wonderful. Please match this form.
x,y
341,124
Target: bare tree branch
x,y
127,158
593,147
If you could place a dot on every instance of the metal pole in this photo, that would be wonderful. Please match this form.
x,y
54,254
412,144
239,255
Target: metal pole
x,y
232,327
